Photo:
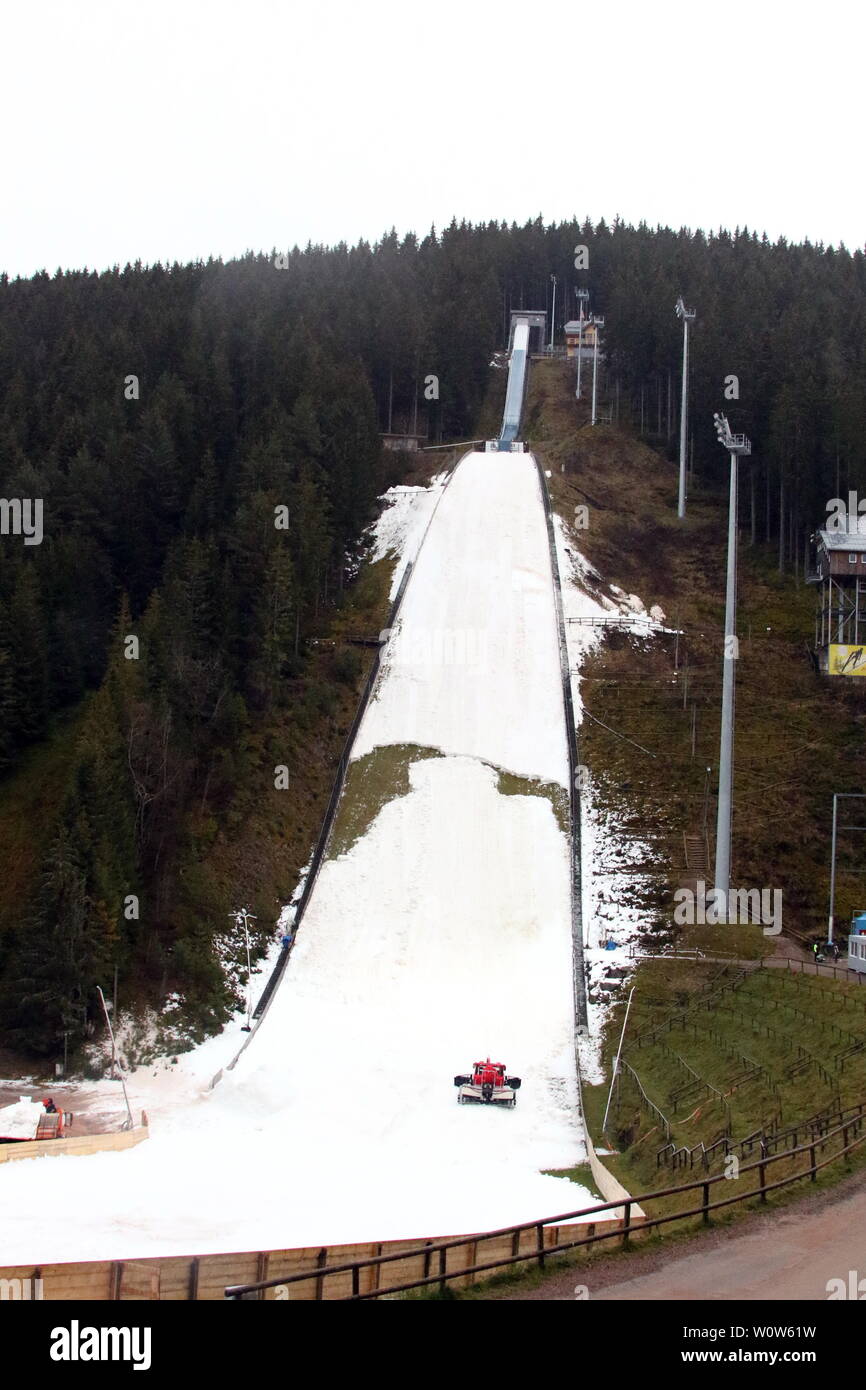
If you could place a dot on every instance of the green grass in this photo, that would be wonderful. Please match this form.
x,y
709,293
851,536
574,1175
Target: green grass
x,y
581,1174
383,775
509,784
799,736
767,1019
371,782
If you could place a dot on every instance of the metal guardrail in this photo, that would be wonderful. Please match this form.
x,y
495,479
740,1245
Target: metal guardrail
x,y
461,444
645,1100
333,802
438,1250
279,967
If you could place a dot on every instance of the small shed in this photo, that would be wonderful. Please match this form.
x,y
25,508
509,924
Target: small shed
x,y
582,341
405,440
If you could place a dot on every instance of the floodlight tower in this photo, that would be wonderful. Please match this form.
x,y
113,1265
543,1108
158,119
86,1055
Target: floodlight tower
x,y
735,444
553,312
599,323
687,316
582,297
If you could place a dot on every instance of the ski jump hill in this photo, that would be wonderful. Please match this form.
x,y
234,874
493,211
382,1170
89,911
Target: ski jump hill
x,y
444,932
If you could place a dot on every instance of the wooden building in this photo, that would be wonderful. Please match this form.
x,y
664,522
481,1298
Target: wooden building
x,y
586,339
840,612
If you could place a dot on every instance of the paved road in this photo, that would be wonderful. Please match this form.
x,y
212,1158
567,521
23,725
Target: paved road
x,y
778,1255
94,1112
803,962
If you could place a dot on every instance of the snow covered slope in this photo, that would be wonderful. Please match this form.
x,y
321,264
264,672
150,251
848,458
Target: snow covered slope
x,y
473,663
442,934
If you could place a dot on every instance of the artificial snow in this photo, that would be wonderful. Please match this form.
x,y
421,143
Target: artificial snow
x,y
402,523
612,918
472,665
441,936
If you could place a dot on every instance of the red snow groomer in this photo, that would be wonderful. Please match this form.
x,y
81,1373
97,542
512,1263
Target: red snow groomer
x,y
488,1085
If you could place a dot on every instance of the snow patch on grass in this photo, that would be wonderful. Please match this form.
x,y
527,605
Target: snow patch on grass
x,y
400,527
612,915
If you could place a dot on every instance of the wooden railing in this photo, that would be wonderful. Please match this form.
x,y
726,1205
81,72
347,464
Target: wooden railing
x,y
434,1258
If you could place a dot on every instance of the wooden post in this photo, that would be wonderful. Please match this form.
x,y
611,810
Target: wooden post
x,y
262,1272
320,1279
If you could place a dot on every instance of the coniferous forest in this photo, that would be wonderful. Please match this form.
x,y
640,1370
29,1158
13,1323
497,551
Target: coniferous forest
x,y
163,413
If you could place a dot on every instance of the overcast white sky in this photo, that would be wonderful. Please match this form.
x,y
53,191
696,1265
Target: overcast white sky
x,y
175,129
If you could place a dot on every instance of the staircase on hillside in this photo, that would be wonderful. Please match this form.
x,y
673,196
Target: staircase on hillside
x,y
697,852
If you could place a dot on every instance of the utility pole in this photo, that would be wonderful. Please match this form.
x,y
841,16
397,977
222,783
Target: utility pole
x,y
599,323
832,872
129,1122
582,296
242,918
553,312
838,796
114,1006
616,1063
735,444
687,316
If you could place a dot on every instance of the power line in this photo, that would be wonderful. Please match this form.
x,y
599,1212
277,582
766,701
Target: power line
x,y
617,734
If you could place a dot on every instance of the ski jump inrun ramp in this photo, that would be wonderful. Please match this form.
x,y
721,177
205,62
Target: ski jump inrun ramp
x,y
439,931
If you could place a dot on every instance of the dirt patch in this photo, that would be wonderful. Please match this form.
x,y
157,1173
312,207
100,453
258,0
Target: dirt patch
x,y
509,784
371,782
93,1114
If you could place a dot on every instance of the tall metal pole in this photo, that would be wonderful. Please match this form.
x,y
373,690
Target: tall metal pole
x,y
553,312
249,974
242,918
114,1006
686,315
726,746
616,1063
579,346
594,370
681,508
832,873
114,1054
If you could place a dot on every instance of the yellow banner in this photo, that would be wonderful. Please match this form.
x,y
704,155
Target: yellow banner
x,y
847,661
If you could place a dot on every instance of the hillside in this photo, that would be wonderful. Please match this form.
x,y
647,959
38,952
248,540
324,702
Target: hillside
x,y
799,737
711,1050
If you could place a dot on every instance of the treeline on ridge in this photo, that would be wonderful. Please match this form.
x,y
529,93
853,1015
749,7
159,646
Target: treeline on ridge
x,y
266,383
